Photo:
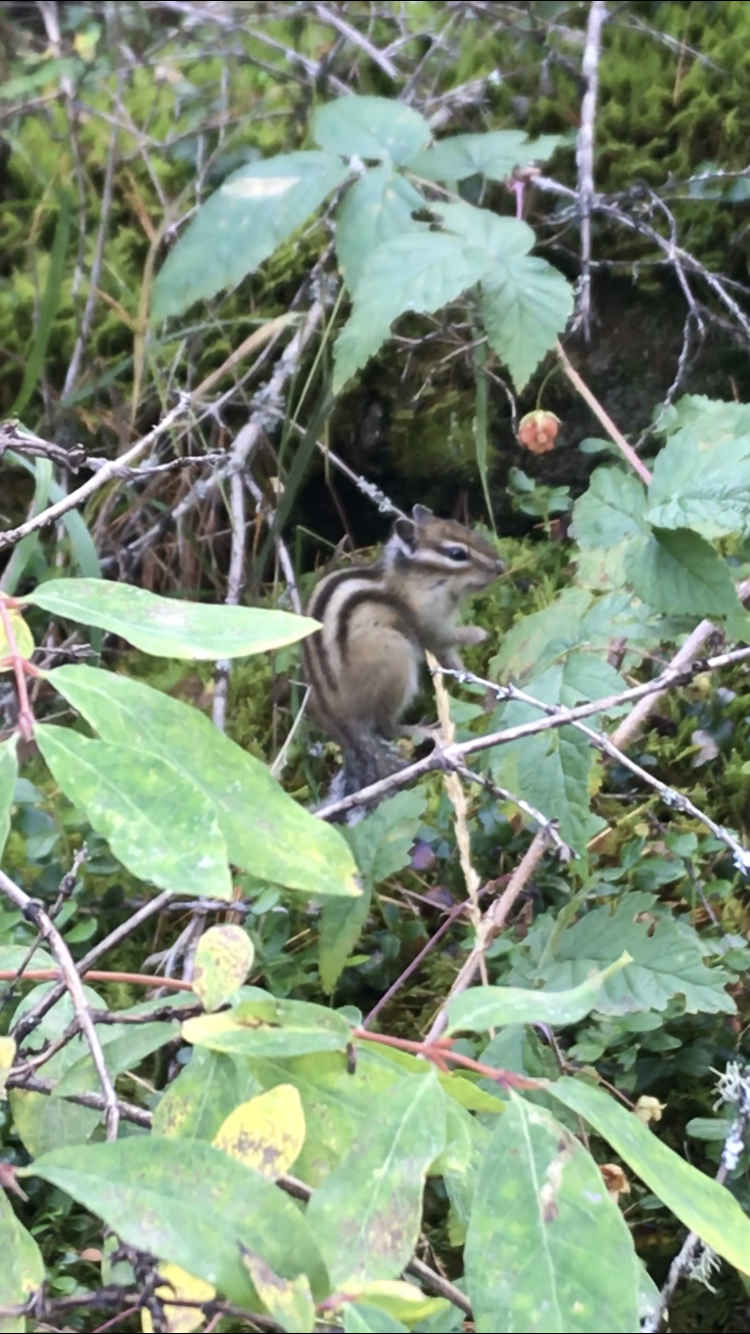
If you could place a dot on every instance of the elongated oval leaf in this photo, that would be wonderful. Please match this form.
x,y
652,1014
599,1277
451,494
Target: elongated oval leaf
x,y
367,1214
191,1209
266,832
370,127
547,1250
482,1008
267,1132
156,821
270,1028
699,1202
196,1103
8,776
168,628
255,209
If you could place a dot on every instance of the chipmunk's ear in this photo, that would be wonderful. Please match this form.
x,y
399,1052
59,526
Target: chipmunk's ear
x,y
405,535
421,514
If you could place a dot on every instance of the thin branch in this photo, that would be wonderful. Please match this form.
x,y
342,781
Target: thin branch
x,y
105,474
443,757
585,153
34,912
612,431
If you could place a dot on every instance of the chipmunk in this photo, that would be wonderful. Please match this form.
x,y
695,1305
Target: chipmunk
x,y
377,622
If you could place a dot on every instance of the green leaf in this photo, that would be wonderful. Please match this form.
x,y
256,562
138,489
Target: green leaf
x,y
494,154
666,960
701,477
552,770
482,1008
223,960
547,1249
700,1203
46,490
8,776
270,1027
124,1047
22,1271
367,1215
341,923
190,1209
197,1103
524,302
414,272
167,627
376,208
611,509
363,1318
266,832
678,572
156,820
525,305
370,127
536,641
382,842
249,216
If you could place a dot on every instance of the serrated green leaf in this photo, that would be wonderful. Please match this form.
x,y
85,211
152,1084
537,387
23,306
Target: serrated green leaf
x,y
376,208
678,572
370,127
382,842
156,820
266,832
169,628
611,509
536,641
270,1027
341,923
525,305
701,478
190,1209
247,218
547,1249
666,960
494,154
482,1008
418,272
699,1202
8,776
366,1216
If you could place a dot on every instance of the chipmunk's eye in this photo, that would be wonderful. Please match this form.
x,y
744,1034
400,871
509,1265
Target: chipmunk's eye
x,y
457,553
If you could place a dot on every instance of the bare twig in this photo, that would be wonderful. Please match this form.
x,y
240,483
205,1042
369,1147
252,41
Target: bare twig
x,y
612,431
105,474
443,757
585,153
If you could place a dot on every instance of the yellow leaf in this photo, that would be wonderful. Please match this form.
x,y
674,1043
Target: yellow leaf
x,y
402,1301
266,1133
22,635
179,1319
222,962
7,1055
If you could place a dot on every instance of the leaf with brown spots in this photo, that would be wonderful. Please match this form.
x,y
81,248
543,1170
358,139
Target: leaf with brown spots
x,y
267,1132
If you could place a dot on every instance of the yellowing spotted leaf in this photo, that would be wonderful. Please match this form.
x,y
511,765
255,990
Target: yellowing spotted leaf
x,y
289,1301
24,640
266,1133
179,1319
222,962
7,1055
402,1301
